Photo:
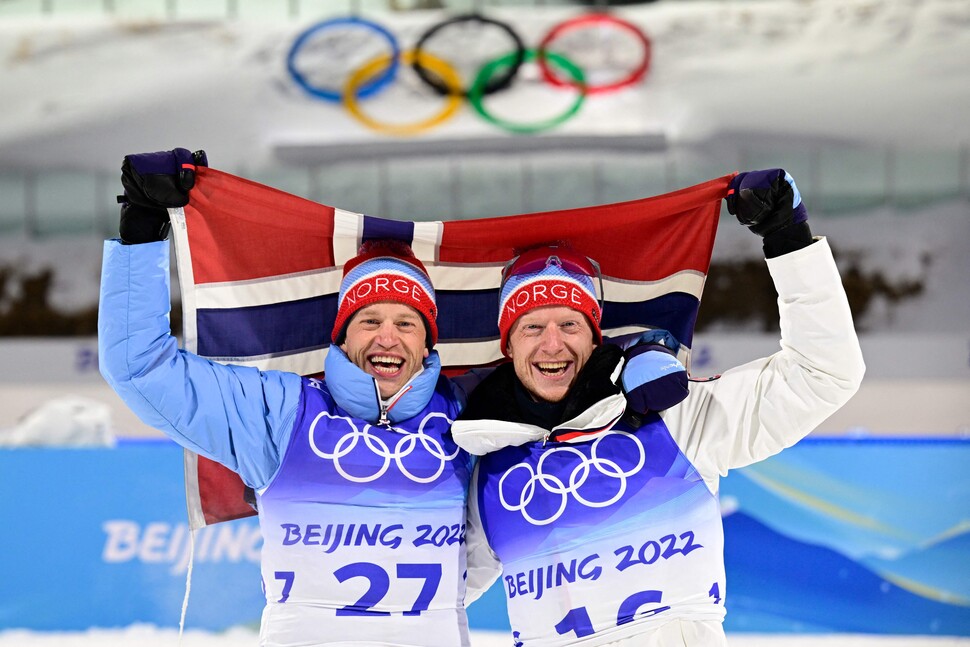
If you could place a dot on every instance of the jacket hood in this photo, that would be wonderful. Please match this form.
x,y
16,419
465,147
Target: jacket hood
x,y
357,393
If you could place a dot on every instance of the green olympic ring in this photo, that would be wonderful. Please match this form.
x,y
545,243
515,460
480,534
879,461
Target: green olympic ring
x,y
477,92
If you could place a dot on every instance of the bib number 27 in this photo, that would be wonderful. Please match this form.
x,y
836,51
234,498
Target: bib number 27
x,y
379,583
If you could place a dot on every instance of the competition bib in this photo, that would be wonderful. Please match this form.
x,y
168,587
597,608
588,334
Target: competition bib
x,y
365,524
600,535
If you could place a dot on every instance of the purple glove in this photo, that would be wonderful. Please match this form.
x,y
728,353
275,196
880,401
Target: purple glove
x,y
653,378
153,182
766,201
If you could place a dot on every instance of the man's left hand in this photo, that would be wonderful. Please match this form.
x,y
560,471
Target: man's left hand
x,y
769,204
765,201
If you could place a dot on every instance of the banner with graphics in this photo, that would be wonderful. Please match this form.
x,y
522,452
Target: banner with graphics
x,y
830,536
98,538
842,535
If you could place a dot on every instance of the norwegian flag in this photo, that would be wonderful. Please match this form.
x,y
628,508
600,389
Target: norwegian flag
x,y
260,270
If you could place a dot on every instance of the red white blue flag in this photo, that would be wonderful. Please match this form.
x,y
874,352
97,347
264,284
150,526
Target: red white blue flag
x,y
260,270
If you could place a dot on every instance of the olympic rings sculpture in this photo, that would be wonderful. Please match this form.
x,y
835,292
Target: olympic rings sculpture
x,y
402,449
538,481
363,81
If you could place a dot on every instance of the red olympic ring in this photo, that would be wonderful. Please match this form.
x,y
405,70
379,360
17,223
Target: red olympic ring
x,y
593,19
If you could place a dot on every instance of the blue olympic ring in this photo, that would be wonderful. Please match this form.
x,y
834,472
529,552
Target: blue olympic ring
x,y
373,86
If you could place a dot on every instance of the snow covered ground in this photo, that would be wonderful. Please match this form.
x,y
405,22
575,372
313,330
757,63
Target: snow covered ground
x,y
147,636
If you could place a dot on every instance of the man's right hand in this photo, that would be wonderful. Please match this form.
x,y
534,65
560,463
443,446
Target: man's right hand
x,y
154,182
653,378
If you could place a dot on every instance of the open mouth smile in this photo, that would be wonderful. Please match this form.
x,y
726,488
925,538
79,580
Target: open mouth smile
x,y
552,369
386,364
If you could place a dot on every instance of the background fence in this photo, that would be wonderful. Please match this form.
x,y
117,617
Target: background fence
x,y
833,180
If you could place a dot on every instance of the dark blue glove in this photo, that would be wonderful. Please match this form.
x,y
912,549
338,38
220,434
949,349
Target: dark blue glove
x,y
161,179
769,204
653,378
153,182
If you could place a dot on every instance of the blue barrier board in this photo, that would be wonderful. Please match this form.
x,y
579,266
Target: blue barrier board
x,y
830,536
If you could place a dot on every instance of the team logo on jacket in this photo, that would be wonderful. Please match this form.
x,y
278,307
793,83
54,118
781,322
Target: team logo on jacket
x,y
363,455
542,492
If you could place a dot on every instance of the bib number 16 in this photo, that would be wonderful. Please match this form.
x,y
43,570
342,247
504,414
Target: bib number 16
x,y
578,620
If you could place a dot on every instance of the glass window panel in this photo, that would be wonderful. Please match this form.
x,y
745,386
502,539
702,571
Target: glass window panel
x,y
352,186
561,182
142,8
419,189
631,177
850,179
23,7
252,9
65,202
13,205
193,9
923,176
688,167
490,186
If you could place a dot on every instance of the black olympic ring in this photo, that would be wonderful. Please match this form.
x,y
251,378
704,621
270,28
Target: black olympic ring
x,y
497,82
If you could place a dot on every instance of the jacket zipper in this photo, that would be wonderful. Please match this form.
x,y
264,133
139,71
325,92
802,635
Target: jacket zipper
x,y
384,420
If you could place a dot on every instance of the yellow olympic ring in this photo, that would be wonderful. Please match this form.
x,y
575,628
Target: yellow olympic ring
x,y
444,70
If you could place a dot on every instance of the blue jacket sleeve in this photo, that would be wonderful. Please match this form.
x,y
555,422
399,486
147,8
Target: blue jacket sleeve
x,y
238,416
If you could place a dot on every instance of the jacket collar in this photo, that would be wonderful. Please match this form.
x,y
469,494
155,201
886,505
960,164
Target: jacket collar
x,y
493,419
357,393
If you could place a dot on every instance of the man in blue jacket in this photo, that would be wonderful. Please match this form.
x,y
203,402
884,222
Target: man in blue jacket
x,y
359,485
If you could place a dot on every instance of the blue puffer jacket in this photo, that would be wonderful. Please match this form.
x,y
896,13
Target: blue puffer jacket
x,y
238,416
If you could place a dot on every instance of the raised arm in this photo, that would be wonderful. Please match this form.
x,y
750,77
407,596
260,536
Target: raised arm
x,y
757,409
235,415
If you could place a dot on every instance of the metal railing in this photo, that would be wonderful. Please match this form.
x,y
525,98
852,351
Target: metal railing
x,y
833,181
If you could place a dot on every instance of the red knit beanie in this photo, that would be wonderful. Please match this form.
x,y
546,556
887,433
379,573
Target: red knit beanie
x,y
385,270
548,276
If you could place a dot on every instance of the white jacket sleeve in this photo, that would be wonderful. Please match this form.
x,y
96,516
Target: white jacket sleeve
x,y
755,410
482,564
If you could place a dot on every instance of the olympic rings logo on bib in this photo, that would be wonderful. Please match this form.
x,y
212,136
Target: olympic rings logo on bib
x,y
467,58
516,493
364,440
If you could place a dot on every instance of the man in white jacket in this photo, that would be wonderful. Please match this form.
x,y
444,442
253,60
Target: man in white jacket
x,y
606,523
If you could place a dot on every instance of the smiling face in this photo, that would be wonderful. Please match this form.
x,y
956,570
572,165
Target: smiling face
x,y
548,347
387,341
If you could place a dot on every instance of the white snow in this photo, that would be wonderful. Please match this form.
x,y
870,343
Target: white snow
x,y
149,636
